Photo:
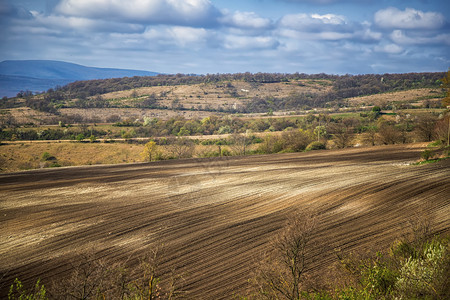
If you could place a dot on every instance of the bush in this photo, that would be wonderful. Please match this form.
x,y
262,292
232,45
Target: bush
x,y
297,140
18,291
47,157
425,276
316,146
226,152
427,154
437,143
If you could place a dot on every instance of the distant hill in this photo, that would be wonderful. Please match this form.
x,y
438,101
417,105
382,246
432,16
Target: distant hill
x,y
40,75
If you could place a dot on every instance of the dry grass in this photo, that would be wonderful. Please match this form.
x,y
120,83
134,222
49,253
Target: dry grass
x,y
218,95
102,114
24,115
27,155
417,95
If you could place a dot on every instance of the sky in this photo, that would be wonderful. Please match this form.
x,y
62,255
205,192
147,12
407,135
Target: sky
x,y
231,36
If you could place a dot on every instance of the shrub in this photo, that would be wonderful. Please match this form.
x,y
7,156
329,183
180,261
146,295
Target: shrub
x,y
80,137
426,275
427,154
226,152
297,140
316,146
18,291
437,143
47,157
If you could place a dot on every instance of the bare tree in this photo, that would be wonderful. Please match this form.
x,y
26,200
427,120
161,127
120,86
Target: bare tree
x,y
147,284
388,134
281,274
370,136
94,278
443,129
239,143
425,127
87,280
152,283
342,135
181,147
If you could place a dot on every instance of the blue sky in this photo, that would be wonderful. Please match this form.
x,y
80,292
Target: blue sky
x,y
229,36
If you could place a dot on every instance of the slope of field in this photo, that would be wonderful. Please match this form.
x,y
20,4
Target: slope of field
x,y
214,217
224,95
416,96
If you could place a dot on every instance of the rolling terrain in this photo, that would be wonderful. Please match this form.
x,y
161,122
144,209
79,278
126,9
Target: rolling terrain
x,y
214,216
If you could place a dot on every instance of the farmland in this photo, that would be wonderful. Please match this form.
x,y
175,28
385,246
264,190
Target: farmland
x,y
209,170
215,217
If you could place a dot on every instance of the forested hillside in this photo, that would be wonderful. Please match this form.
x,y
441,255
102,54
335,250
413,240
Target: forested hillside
x,y
231,93
343,86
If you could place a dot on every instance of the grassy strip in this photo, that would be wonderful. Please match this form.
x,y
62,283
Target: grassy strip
x,y
430,161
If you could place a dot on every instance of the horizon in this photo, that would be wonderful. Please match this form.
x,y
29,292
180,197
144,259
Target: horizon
x,y
208,37
193,74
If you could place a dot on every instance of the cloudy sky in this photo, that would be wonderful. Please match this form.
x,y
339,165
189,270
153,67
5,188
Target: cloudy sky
x,y
229,36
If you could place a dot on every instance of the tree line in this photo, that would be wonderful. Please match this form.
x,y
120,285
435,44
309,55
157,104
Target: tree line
x,y
368,126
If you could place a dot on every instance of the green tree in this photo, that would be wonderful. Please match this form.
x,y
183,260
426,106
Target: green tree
x,y
320,131
150,150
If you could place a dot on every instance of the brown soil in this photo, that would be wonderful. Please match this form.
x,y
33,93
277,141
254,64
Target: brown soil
x,y
214,216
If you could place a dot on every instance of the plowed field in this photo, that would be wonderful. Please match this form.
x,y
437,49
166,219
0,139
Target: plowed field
x,y
214,217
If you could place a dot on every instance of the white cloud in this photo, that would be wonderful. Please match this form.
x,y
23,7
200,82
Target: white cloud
x,y
398,36
409,18
62,23
327,27
248,20
193,35
367,35
245,42
330,19
187,36
177,12
312,22
171,37
320,2
389,48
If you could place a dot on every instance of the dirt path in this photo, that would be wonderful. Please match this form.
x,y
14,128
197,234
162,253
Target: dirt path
x,y
214,216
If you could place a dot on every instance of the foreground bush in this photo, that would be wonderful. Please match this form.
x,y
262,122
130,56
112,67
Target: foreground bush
x,y
17,291
416,267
